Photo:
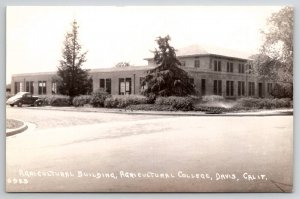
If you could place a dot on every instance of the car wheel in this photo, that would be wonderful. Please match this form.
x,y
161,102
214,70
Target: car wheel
x,y
19,104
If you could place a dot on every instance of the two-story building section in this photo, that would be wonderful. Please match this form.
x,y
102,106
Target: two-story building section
x,y
213,71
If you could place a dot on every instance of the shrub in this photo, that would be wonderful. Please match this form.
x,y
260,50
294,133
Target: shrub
x,y
212,98
56,100
282,91
177,103
211,109
121,101
98,97
81,100
150,107
248,102
266,103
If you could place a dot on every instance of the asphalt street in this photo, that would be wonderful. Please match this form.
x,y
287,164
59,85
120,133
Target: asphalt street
x,y
110,152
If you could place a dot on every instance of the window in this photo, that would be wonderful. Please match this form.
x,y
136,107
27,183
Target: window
x,y
102,84
197,63
191,80
17,87
217,65
124,86
241,68
241,88
108,85
42,87
29,87
250,70
105,85
203,87
217,87
269,88
54,88
230,67
21,87
251,89
229,88
260,90
141,81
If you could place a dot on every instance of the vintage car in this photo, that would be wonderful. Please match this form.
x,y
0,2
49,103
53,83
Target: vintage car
x,y
24,98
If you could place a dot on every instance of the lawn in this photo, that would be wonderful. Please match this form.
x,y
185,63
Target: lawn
x,y
13,124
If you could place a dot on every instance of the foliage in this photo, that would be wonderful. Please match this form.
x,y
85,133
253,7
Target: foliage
x,y
177,103
121,101
275,60
98,97
150,107
263,103
212,98
282,91
167,78
210,109
73,79
81,100
122,64
56,100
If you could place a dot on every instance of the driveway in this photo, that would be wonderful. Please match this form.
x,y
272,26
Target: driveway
x,y
101,152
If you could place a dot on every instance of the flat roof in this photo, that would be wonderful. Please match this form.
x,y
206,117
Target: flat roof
x,y
113,69
207,50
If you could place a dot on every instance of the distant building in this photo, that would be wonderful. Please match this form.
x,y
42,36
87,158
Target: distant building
x,y
213,71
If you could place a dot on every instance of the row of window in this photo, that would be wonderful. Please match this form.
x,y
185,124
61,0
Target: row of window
x,y
29,87
241,69
125,87
240,90
218,66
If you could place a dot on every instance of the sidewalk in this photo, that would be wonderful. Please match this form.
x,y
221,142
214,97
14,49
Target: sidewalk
x,y
273,112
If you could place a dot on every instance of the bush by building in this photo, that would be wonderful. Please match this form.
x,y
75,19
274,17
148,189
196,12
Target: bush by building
x,y
98,97
150,107
122,101
263,103
282,91
81,100
177,103
212,98
56,100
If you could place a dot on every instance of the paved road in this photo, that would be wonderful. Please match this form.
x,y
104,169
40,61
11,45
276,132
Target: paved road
x,y
117,152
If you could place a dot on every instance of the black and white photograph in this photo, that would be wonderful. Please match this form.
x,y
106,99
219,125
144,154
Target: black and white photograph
x,y
149,99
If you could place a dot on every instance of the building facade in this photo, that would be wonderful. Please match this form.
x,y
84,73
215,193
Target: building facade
x,y
212,73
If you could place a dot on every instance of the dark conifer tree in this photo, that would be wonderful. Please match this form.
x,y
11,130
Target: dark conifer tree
x,y
73,79
167,78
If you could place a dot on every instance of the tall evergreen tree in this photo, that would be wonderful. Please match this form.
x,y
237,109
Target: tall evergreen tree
x,y
73,80
167,78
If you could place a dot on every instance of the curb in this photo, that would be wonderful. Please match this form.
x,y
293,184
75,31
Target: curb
x,y
237,114
10,132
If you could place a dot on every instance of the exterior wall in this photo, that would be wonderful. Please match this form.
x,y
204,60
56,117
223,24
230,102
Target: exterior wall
x,y
35,77
115,76
204,71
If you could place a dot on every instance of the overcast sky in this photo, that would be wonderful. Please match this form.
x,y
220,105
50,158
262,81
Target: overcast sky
x,y
35,35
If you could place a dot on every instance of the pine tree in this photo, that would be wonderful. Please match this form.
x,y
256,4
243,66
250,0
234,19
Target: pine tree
x,y
73,79
167,79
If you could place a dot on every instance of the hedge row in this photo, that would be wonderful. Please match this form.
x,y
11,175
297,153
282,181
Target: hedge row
x,y
56,100
81,100
122,101
177,103
265,103
139,102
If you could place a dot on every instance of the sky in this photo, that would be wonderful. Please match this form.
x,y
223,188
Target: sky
x,y
35,35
